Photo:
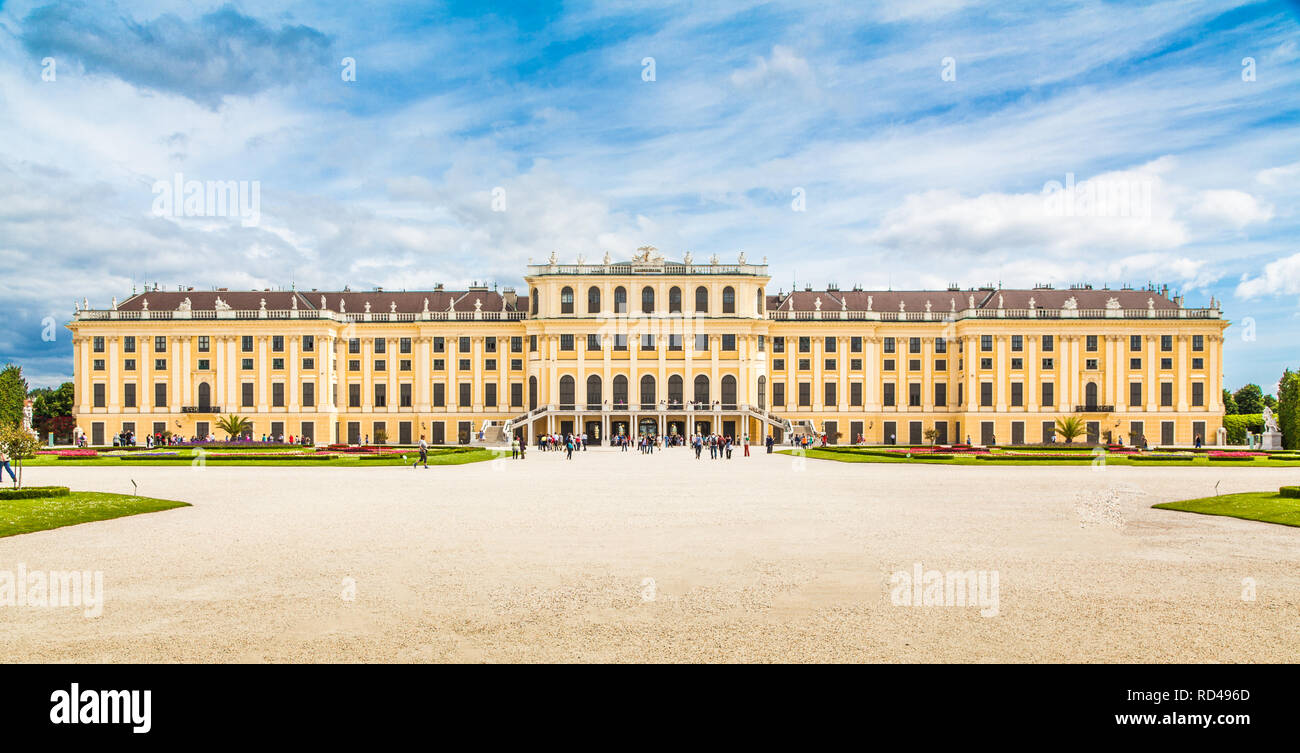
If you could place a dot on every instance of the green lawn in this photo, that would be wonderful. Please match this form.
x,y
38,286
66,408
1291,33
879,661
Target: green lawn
x,y
847,455
43,513
185,457
1269,507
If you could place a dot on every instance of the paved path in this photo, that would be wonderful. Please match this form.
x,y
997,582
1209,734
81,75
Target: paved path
x,y
625,557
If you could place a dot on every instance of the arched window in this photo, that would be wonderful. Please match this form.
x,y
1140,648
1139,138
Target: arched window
x,y
647,300
729,392
647,391
620,391
702,299
532,393
620,300
593,392
675,391
566,391
566,300
762,392
674,300
728,300
1090,394
205,396
701,391
758,303
593,300
532,304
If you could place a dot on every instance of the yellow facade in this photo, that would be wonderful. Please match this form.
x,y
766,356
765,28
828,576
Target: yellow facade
x,y
652,345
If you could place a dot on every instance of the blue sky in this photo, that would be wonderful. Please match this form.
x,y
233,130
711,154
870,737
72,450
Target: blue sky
x,y
909,180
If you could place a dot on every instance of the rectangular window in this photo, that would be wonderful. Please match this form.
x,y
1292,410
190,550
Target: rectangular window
x,y
516,344
277,364
1198,394
1166,343
1017,394
381,396
532,343
1135,343
277,343
888,365
1049,343
1135,394
204,344
354,364
128,364
440,345
778,345
439,364
940,345
913,364
805,345
308,343
701,342
462,364
914,395
1049,394
160,395
405,365
466,395
986,394
1017,364
404,395
1090,364
855,344
128,396
1090,343
517,395
647,342
729,342
354,396
566,342
778,364
940,395
490,395
246,343
1166,394
128,344
309,394
805,364
98,364
1049,364
830,345
986,342
1017,343
805,394
1198,364
829,365
516,364
828,394
855,394
620,342
99,400
593,342
277,394
674,342
1198,343
462,345
160,364
778,394
855,364
160,344
1135,364
404,345
246,399
1166,364
381,364
888,345
913,345
354,345
887,392
439,395
381,345
986,363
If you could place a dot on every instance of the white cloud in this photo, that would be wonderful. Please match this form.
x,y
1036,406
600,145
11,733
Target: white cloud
x,y
1280,277
1232,207
782,65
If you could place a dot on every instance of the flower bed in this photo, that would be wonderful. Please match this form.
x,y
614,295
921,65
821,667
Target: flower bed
x,y
149,456
269,456
1230,455
1081,457
70,453
1164,456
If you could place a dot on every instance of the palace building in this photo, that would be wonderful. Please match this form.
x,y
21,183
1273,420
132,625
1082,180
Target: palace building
x,y
650,345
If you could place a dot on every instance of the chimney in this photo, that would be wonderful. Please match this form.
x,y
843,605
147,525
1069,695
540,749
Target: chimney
x,y
510,297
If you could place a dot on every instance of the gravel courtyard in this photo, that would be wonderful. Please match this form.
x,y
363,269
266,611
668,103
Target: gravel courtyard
x,y
623,557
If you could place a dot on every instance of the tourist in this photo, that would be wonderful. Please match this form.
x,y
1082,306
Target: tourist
x,y
769,442
568,446
424,453
1197,440
746,445
514,448
4,466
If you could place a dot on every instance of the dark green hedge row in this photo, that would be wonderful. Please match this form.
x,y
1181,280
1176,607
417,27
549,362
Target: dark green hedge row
x,y
1290,492
34,492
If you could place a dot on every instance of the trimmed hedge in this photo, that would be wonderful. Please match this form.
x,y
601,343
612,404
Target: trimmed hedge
x,y
1239,425
1290,492
34,492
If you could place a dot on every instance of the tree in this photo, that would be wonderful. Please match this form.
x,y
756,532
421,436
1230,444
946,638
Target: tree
x,y
1071,427
13,393
50,403
1288,409
17,444
233,425
1270,402
1229,403
1249,399
930,434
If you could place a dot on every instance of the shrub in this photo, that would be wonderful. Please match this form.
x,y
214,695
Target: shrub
x,y
1238,426
1290,492
34,492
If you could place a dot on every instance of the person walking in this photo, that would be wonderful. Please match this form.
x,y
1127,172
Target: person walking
x,y
568,446
514,448
746,445
4,466
424,453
